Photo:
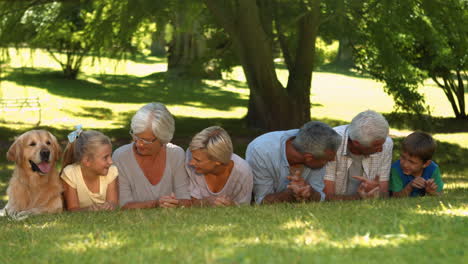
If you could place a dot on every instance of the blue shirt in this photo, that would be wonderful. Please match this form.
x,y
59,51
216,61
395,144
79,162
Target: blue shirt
x,y
266,156
398,180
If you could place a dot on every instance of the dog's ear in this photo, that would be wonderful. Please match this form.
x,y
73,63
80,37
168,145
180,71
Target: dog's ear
x,y
56,147
15,152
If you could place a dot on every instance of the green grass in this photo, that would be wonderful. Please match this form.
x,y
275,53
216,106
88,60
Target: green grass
x,y
390,231
429,229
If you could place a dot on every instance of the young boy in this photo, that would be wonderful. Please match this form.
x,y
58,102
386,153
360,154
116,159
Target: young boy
x,y
415,174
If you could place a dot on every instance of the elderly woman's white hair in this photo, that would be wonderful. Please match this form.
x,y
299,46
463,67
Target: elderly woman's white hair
x,y
216,141
367,127
158,118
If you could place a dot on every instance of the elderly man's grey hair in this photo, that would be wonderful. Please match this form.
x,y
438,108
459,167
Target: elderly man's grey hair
x,y
367,127
156,117
216,141
315,138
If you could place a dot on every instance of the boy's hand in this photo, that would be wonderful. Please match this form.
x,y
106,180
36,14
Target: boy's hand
x,y
418,182
431,186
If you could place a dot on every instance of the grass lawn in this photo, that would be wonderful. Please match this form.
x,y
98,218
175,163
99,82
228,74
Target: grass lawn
x,y
429,229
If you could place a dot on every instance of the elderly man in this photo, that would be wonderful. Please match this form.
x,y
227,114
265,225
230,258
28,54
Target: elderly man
x,y
288,166
362,165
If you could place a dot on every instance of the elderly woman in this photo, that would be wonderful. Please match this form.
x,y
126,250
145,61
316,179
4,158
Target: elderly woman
x,y
151,170
218,177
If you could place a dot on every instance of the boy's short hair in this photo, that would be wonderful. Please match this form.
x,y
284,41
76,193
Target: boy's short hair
x,y
419,144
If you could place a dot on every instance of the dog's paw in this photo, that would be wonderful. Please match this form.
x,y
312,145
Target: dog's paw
x,y
22,215
17,216
2,212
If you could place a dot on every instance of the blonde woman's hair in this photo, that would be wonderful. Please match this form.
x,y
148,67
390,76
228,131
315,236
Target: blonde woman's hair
x,y
156,117
216,141
85,144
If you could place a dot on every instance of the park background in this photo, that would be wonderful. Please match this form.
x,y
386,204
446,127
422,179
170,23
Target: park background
x,y
185,55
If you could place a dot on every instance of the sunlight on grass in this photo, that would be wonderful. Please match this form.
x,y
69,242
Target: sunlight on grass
x,y
296,224
189,111
333,96
37,58
40,226
81,243
457,138
314,236
367,241
445,209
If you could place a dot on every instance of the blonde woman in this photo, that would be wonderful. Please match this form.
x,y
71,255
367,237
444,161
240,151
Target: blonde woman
x,y
218,177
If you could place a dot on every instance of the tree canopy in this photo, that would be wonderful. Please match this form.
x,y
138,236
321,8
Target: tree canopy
x,y
404,42
399,42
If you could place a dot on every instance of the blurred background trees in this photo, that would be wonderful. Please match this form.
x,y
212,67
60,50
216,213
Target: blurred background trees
x,y
402,43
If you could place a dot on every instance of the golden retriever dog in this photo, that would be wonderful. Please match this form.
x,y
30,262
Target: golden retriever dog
x,y
35,186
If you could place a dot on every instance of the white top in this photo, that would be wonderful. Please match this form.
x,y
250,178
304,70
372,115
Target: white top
x,y
72,176
238,186
375,164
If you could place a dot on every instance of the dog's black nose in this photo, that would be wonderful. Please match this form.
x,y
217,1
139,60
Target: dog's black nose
x,y
45,154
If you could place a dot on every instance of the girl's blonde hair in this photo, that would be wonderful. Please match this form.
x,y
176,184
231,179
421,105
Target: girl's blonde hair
x,y
216,141
85,144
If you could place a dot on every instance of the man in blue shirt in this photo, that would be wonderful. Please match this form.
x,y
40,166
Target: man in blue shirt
x,y
288,166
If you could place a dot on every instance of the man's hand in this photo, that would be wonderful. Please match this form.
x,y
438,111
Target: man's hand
x,y
367,184
431,186
372,194
301,189
418,182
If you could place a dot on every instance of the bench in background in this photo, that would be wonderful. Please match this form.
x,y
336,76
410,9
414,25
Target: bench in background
x,y
21,104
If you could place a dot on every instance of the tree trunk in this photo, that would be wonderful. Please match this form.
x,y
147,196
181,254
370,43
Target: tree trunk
x,y
271,106
158,40
344,57
188,51
455,93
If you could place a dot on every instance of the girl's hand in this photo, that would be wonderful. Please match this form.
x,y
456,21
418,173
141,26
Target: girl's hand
x,y
107,206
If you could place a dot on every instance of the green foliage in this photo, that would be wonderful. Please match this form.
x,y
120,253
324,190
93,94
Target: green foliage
x,y
403,43
71,30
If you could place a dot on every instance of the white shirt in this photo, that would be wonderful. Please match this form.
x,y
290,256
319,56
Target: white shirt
x,y
376,164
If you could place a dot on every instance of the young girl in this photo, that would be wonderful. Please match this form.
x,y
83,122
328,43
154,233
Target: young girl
x,y
89,178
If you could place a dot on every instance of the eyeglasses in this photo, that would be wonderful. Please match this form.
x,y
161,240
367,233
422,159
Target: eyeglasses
x,y
144,141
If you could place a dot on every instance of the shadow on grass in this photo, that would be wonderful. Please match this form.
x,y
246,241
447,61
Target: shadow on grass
x,y
426,123
130,89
